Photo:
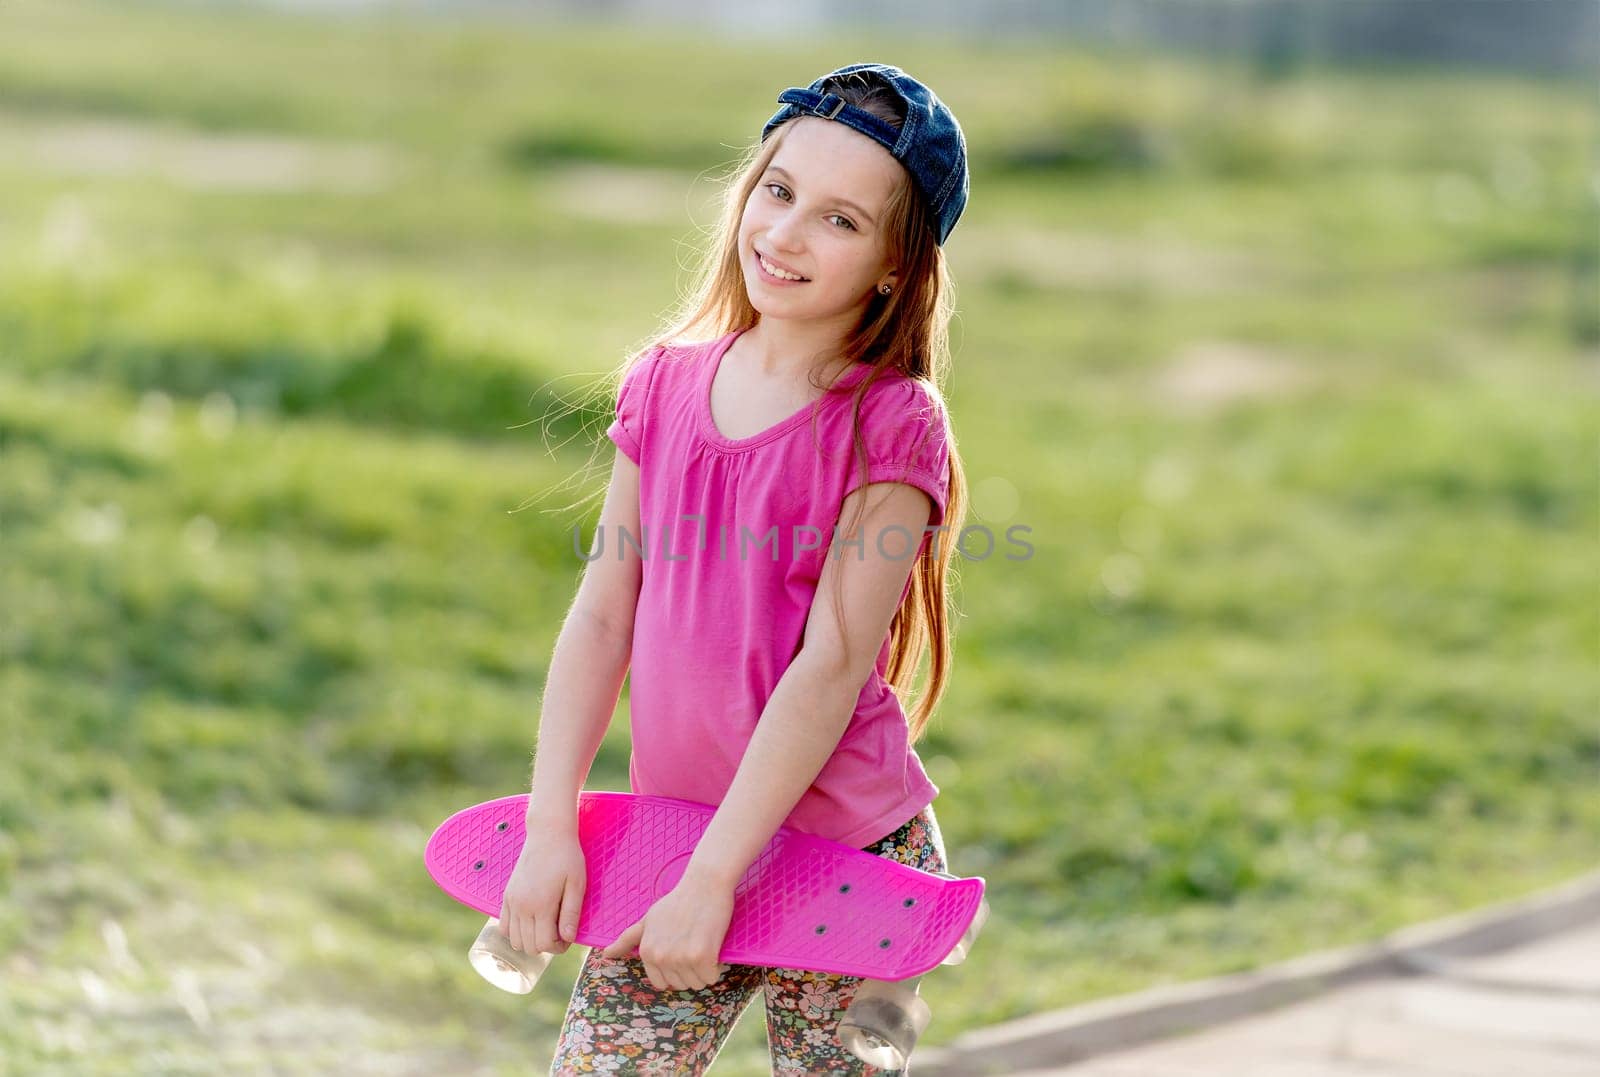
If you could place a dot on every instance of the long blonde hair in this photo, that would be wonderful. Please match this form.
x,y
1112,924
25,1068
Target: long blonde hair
x,y
904,333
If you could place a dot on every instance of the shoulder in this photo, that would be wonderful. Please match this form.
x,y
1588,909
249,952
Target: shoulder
x,y
662,357
899,401
661,371
677,356
904,423
905,432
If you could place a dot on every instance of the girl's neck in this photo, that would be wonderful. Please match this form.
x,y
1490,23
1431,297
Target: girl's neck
x,y
789,350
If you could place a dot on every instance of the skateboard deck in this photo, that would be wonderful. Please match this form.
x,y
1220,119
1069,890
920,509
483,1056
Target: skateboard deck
x,y
805,902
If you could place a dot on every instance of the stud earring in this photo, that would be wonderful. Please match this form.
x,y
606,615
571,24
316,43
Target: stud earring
x,y
885,288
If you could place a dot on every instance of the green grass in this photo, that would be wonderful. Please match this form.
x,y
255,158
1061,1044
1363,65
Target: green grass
x,y
288,480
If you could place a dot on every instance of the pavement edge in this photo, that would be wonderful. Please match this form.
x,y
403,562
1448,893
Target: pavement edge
x,y
1061,1037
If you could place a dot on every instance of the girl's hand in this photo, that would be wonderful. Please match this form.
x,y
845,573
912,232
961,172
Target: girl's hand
x,y
544,894
680,936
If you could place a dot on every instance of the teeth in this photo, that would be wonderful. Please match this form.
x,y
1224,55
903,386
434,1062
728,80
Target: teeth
x,y
776,272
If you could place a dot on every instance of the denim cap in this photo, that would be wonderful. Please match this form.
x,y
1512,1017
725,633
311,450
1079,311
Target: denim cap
x,y
929,144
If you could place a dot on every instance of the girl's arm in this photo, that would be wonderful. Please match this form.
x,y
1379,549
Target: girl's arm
x,y
590,660
812,704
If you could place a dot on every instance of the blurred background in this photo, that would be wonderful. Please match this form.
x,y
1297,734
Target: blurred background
x,y
1279,326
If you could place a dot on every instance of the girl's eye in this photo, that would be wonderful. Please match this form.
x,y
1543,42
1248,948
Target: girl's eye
x,y
836,216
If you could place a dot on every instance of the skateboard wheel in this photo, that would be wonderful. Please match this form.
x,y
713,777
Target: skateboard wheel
x,y
508,969
959,954
883,1022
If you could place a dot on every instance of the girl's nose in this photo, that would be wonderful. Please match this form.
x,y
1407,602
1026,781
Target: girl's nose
x,y
785,232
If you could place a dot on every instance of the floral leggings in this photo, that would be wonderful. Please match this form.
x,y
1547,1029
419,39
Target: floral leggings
x,y
616,1023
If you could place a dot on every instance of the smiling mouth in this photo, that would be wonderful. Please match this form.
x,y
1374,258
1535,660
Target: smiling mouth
x,y
778,273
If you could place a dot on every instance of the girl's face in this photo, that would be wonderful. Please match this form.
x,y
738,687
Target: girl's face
x,y
817,212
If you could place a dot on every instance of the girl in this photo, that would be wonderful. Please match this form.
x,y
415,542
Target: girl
x,y
814,401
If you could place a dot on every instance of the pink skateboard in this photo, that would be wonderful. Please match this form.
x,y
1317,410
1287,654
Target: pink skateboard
x,y
805,903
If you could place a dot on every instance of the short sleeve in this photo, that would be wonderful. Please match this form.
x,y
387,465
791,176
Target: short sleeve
x,y
627,428
907,433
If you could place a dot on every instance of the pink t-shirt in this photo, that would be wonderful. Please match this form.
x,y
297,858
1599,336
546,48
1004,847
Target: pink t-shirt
x,y
724,598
